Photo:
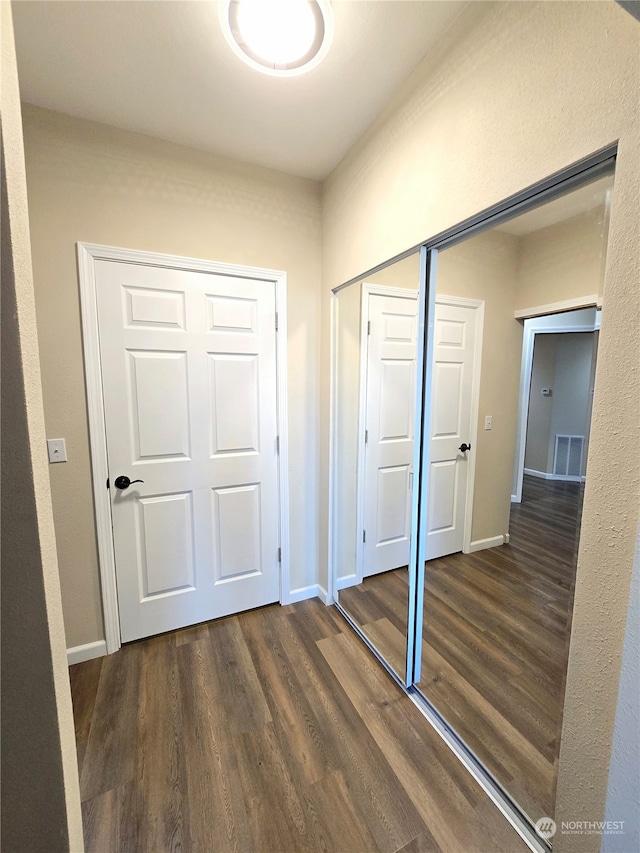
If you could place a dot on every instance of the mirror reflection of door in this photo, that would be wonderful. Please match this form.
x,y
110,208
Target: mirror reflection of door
x,y
376,404
388,380
454,404
496,619
510,375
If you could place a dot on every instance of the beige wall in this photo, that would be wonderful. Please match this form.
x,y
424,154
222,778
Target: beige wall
x,y
543,371
92,183
404,273
562,262
563,81
40,790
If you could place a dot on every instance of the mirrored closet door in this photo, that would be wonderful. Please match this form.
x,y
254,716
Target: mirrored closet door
x,y
510,385
463,382
376,408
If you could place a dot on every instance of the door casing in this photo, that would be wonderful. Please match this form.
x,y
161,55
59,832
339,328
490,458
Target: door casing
x,y
537,327
88,254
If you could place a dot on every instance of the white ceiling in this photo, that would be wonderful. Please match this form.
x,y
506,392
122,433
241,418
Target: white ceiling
x,y
163,68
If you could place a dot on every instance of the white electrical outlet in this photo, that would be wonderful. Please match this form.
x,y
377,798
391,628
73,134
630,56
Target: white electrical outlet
x,y
487,422
57,450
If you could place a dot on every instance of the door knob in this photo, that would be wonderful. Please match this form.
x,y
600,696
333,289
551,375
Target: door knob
x,y
123,482
464,447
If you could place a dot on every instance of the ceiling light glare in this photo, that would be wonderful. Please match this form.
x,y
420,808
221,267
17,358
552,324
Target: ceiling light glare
x,y
278,37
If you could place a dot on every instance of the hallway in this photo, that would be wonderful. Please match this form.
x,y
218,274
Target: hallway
x,y
274,731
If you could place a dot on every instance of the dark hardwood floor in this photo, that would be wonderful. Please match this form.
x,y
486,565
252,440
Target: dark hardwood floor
x,y
274,731
495,638
380,607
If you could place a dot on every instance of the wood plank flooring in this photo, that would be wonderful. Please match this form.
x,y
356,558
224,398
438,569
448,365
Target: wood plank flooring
x,y
495,638
379,606
274,731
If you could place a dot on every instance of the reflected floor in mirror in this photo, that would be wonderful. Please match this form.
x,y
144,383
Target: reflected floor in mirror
x,y
495,639
379,606
496,642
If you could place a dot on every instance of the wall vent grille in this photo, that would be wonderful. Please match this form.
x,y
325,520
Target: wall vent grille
x,y
567,462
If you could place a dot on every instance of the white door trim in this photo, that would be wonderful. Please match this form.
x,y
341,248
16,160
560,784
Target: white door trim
x,y
526,368
591,301
332,562
88,254
368,289
478,304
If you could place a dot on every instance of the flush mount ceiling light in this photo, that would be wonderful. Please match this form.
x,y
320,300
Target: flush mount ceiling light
x,y
278,37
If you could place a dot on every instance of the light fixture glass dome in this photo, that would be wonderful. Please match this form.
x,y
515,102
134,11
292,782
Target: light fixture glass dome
x,y
278,37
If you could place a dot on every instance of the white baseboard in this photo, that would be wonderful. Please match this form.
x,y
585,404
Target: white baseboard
x,y
323,595
78,654
507,536
541,475
314,590
302,593
481,544
346,581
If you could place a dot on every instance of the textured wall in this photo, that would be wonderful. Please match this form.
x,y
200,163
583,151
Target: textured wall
x,y
516,92
623,794
92,183
562,261
40,792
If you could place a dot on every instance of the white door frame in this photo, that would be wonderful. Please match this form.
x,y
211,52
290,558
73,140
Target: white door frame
x,y
88,254
540,327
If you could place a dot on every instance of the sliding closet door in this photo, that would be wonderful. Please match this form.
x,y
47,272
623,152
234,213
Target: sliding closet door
x,y
377,384
509,383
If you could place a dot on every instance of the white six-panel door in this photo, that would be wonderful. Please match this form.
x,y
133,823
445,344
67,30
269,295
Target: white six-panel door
x,y
189,383
451,409
389,421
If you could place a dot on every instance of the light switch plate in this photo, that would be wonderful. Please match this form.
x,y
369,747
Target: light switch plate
x,y
487,422
57,450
